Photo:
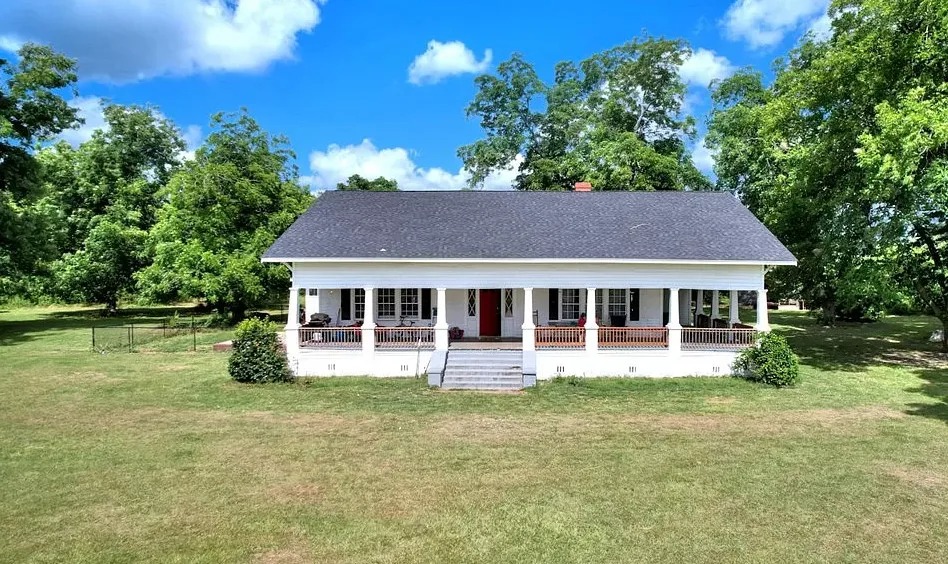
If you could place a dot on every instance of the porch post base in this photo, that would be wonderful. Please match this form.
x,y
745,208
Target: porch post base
x,y
674,341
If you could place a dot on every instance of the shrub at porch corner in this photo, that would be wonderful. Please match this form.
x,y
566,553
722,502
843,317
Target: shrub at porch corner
x,y
257,357
771,361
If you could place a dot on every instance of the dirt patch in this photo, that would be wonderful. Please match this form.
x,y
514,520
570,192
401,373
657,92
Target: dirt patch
x,y
296,554
89,376
296,493
928,479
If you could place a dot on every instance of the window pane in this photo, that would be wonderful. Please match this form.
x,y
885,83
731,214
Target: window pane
x,y
508,302
570,307
359,304
410,302
617,302
471,303
385,304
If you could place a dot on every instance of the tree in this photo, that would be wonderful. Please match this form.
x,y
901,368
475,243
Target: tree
x,y
844,155
380,184
615,119
30,112
222,210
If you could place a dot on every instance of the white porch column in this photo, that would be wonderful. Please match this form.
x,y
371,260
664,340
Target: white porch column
x,y
734,313
699,304
441,325
368,326
291,337
763,324
529,329
592,326
715,304
674,323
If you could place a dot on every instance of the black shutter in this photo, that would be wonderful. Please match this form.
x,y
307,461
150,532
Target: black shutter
x,y
426,303
554,304
633,304
346,304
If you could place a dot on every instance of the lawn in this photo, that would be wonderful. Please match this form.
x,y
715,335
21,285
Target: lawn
x,y
158,456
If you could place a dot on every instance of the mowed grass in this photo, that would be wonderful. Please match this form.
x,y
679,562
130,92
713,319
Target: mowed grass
x,y
158,456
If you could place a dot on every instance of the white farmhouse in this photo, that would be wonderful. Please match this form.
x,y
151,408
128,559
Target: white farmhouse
x,y
497,289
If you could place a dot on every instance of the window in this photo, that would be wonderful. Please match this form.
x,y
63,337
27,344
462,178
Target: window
x,y
471,303
313,292
616,303
345,307
570,309
599,316
409,302
508,302
359,296
386,303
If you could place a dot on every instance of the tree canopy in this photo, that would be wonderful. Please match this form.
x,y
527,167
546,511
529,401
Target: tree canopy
x,y
357,182
222,211
845,156
615,119
31,112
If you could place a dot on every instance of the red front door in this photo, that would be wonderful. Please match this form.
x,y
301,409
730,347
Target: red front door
x,y
490,313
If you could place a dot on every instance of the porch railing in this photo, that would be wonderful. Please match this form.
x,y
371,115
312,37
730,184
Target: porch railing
x,y
694,338
404,337
560,337
633,338
330,337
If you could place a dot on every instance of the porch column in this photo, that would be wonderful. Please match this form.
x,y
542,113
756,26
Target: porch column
x,y
291,337
715,304
441,325
699,304
684,306
368,326
592,327
529,329
674,323
734,313
763,324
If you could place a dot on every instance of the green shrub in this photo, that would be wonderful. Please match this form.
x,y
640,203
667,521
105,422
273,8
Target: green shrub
x,y
771,361
257,357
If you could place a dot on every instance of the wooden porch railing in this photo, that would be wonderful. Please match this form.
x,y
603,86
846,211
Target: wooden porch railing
x,y
694,338
404,337
330,337
560,337
633,338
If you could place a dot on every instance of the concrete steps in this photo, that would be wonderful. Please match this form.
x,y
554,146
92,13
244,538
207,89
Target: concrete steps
x,y
483,370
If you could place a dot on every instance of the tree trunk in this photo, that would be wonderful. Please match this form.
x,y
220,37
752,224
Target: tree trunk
x,y
238,313
944,334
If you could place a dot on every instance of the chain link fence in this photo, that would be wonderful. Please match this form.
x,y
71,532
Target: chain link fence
x,y
134,337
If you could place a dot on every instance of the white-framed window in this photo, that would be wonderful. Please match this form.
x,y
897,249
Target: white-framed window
x,y
508,302
409,303
569,298
385,303
471,303
358,300
599,309
617,302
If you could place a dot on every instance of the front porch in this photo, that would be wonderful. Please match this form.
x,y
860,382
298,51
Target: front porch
x,y
404,331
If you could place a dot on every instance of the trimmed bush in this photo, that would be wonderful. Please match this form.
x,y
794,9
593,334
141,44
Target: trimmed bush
x,y
257,357
771,361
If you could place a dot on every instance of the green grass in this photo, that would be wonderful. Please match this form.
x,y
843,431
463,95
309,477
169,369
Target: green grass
x,y
157,456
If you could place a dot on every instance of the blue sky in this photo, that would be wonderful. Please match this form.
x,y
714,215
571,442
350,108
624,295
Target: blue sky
x,y
371,86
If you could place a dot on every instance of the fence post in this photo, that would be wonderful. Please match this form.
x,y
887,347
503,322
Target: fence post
x,y
194,339
93,337
129,335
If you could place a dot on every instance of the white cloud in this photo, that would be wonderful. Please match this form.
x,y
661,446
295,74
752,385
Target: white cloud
x,y
703,157
442,60
121,40
338,163
821,28
703,66
764,23
90,110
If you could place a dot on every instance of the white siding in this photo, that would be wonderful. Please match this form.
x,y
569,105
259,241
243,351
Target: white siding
x,y
520,275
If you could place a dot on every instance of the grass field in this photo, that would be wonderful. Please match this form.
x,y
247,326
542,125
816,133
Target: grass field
x,y
158,456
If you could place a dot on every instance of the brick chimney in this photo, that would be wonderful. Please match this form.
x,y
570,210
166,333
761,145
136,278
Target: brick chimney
x,y
582,187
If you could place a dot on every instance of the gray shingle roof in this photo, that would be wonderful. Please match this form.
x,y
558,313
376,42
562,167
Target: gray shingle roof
x,y
701,226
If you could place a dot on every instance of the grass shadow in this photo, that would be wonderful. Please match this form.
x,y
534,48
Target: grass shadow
x,y
935,386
